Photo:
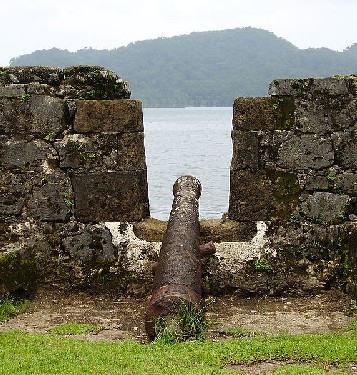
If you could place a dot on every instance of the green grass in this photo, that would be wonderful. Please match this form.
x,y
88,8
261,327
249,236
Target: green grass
x,y
9,308
23,353
240,332
75,329
185,322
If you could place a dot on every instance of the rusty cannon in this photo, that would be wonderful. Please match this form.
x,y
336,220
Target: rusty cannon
x,y
177,274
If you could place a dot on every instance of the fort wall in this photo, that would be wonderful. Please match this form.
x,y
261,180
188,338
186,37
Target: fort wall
x,y
74,208
294,171
72,157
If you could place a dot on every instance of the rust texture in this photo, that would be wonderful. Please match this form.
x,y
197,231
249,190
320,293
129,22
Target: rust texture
x,y
178,272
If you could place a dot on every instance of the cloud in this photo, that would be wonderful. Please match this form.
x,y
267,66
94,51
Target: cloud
x,y
75,24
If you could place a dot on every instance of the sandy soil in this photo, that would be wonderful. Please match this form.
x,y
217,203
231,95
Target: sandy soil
x,y
122,318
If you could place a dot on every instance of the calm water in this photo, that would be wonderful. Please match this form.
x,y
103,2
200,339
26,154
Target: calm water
x,y
188,141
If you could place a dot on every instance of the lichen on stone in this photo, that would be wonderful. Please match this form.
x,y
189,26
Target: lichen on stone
x,y
76,82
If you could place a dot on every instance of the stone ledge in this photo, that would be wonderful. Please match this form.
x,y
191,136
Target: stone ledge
x,y
221,230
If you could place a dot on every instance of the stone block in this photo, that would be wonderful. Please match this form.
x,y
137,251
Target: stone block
x,y
347,183
13,193
12,91
344,112
33,114
14,117
251,196
316,182
245,150
30,74
313,117
40,89
313,86
286,190
52,201
26,156
325,114
270,142
263,113
131,152
306,152
96,116
47,115
110,196
324,207
25,91
347,154
75,82
88,153
102,151
334,86
252,114
263,194
92,244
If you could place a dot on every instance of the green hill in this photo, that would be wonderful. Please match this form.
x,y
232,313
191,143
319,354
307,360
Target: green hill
x,y
204,68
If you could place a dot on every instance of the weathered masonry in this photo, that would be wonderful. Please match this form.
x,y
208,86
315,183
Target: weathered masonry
x,y
74,210
72,156
294,172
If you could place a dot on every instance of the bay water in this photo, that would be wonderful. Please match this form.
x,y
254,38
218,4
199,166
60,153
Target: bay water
x,y
188,141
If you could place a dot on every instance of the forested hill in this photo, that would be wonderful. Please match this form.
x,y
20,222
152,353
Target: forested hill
x,y
204,68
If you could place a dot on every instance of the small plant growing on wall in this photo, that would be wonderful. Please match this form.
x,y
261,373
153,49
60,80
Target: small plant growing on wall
x,y
68,199
331,177
49,136
25,98
262,265
306,86
278,102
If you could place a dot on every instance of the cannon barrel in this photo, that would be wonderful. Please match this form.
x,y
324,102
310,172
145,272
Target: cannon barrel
x,y
177,276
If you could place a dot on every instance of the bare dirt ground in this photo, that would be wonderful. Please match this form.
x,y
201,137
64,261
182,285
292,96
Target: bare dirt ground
x,y
122,318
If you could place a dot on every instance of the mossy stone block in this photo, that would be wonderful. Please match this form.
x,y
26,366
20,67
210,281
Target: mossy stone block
x,y
110,196
264,113
95,116
251,196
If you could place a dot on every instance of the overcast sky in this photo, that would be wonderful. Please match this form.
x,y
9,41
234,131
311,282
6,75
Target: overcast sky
x,y
29,25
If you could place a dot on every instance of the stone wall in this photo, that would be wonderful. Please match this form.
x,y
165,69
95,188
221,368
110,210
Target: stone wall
x,y
72,157
294,172
74,209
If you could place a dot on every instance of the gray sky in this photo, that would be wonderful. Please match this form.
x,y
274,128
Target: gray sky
x,y
29,25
